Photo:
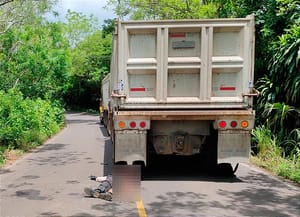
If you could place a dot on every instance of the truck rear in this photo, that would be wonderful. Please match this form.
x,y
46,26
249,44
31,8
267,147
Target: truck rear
x,y
177,85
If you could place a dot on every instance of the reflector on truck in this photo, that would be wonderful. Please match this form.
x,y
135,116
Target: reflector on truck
x,y
226,82
142,83
136,89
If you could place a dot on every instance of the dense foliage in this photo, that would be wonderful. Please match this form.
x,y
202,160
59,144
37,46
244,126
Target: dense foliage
x,y
90,62
34,59
90,51
25,122
44,65
33,69
270,155
279,103
176,9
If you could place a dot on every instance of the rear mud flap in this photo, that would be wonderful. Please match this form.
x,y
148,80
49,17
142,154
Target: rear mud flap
x,y
130,146
234,146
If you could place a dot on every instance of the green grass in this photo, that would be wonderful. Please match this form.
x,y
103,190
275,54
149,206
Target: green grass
x,y
270,156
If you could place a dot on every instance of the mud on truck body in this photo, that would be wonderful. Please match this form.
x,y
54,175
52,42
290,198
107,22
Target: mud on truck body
x,y
175,84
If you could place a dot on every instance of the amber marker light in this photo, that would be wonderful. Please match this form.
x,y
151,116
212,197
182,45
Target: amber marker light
x,y
121,124
244,124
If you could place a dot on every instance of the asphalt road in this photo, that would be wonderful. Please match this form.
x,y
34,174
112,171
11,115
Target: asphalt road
x,y
50,181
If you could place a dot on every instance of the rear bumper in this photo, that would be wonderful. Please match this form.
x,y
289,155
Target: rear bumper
x,y
184,114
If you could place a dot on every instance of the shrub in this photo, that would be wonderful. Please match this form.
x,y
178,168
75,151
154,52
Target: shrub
x,y
272,158
265,141
27,122
2,158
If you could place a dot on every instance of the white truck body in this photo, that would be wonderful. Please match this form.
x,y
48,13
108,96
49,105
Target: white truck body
x,y
171,82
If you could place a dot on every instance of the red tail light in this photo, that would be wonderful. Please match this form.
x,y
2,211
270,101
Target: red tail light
x,y
132,124
143,124
222,124
233,124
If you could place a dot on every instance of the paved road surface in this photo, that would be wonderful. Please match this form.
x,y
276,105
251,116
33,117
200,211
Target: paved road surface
x,y
50,181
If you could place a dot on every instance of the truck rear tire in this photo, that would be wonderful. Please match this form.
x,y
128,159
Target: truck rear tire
x,y
226,169
143,168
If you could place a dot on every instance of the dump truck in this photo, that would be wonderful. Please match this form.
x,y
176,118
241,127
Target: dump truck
x,y
177,85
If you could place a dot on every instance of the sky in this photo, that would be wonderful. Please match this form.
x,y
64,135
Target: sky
x,y
87,7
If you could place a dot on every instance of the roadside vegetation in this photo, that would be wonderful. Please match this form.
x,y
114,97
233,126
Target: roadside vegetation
x,y
273,158
39,120
46,67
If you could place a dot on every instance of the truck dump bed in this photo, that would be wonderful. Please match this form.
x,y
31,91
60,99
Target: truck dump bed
x,y
189,64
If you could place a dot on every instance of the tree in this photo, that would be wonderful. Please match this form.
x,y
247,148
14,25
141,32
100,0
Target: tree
x,y
33,65
33,53
90,54
21,12
108,27
4,2
280,86
90,63
165,9
79,26
34,59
